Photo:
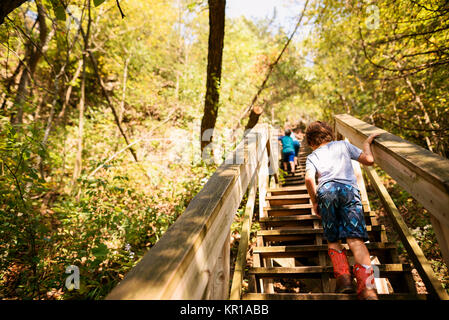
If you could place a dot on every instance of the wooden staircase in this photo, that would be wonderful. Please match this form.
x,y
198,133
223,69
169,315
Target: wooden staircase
x,y
290,248
192,259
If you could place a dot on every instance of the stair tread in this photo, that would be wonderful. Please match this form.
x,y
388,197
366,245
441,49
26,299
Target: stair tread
x,y
289,218
288,232
301,231
299,188
299,176
289,207
392,267
288,197
313,247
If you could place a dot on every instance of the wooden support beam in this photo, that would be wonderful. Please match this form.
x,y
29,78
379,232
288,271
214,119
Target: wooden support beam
x,y
266,284
240,263
423,174
415,253
273,153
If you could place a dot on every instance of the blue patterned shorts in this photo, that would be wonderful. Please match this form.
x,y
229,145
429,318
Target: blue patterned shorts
x,y
341,212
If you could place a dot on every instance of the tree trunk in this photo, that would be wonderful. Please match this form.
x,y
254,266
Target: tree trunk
x,y
256,111
68,93
79,154
34,53
214,62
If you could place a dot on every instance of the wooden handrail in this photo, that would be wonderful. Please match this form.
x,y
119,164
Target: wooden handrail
x,y
421,173
192,257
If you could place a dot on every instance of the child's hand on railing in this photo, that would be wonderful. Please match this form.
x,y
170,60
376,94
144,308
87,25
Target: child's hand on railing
x,y
372,137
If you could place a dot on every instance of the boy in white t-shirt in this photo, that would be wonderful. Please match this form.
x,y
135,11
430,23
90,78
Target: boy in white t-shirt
x,y
337,201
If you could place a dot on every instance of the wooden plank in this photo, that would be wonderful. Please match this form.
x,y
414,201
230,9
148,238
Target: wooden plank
x,y
236,288
302,231
322,259
263,183
384,270
382,283
266,284
280,232
289,218
293,189
290,207
285,262
218,283
293,196
273,154
178,266
420,262
307,234
312,248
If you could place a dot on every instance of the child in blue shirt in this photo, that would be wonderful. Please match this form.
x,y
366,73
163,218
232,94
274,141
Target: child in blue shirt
x,y
337,201
288,150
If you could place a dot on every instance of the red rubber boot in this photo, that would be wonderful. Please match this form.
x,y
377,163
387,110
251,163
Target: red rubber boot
x,y
341,271
366,289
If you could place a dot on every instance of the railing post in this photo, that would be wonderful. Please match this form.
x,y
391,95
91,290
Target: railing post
x,y
273,155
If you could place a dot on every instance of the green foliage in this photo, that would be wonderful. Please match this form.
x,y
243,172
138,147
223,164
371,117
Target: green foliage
x,y
391,73
23,231
98,2
58,10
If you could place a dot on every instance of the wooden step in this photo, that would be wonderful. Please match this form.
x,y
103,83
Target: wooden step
x,y
292,251
288,232
289,209
294,179
297,180
329,296
290,221
385,270
290,217
303,234
288,190
299,172
288,199
293,183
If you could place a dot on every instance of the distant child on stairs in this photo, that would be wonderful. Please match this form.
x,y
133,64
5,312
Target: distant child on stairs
x,y
288,150
337,201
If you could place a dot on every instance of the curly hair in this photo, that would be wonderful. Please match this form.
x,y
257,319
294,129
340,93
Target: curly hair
x,y
319,132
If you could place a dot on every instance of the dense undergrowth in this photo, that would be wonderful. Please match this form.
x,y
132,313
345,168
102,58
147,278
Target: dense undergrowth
x,y
103,226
